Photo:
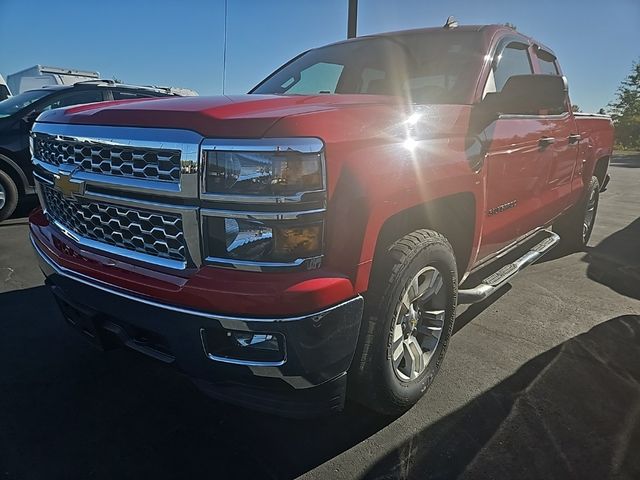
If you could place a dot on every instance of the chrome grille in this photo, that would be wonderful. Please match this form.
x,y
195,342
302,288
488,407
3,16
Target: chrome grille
x,y
145,163
152,233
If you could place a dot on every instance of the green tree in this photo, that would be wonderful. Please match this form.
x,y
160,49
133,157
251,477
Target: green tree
x,y
625,110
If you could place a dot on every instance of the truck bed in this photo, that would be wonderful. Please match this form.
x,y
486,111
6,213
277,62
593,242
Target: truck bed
x,y
596,133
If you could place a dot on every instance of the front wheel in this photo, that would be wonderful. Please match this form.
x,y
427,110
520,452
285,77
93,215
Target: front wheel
x,y
409,315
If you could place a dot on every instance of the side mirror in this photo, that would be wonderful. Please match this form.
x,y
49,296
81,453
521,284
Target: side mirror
x,y
528,95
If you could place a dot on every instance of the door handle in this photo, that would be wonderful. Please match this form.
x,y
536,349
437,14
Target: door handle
x,y
574,138
546,141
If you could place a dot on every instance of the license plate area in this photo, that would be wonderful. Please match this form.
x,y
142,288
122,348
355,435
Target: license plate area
x,y
108,333
83,320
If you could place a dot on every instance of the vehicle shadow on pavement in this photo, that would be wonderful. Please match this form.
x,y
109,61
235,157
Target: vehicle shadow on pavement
x,y
615,261
69,411
572,412
466,314
628,161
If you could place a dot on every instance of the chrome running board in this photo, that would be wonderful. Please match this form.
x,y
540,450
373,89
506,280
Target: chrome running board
x,y
493,282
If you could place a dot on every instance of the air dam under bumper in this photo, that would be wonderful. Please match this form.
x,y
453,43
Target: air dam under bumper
x,y
309,380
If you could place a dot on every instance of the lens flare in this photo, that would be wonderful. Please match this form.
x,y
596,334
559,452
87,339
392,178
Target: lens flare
x,y
410,144
414,118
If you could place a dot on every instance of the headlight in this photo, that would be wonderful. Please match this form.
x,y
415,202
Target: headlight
x,y
274,241
262,173
263,202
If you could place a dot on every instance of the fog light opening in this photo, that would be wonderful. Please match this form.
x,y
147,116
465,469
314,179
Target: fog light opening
x,y
242,347
264,341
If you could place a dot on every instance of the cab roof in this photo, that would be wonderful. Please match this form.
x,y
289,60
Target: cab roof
x,y
486,32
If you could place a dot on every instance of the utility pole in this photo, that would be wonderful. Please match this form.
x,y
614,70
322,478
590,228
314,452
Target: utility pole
x,y
352,21
224,48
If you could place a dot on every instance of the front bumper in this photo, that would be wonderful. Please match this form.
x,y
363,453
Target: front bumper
x,y
311,380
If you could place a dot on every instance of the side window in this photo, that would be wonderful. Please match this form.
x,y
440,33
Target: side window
x,y
514,60
74,98
547,63
318,78
124,95
371,79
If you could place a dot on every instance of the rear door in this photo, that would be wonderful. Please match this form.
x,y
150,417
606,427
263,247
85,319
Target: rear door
x,y
564,149
518,159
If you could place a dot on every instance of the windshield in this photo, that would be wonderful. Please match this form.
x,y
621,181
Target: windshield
x,y
14,104
432,67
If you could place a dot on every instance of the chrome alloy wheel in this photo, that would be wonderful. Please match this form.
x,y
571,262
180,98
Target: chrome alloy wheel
x,y
418,325
3,196
589,215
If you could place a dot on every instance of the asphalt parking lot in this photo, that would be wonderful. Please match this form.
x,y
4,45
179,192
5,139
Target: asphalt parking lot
x,y
541,381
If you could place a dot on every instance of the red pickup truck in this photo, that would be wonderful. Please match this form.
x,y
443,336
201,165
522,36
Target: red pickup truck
x,y
313,238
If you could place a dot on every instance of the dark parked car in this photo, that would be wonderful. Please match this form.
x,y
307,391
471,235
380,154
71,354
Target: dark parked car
x,y
18,113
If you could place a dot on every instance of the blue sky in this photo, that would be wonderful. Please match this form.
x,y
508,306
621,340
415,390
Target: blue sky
x,y
180,43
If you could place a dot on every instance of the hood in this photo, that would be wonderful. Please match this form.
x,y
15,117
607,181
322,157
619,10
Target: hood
x,y
222,116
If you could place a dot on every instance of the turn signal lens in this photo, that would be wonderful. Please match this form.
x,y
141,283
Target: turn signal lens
x,y
298,242
275,241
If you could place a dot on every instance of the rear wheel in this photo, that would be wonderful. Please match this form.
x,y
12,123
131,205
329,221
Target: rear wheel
x,y
576,225
409,315
8,196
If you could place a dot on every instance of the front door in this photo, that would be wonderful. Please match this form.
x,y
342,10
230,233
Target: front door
x,y
517,158
517,165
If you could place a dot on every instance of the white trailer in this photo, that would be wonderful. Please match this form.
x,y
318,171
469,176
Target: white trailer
x,y
4,90
38,76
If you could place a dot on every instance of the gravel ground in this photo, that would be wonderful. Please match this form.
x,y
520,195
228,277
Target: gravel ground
x,y
542,381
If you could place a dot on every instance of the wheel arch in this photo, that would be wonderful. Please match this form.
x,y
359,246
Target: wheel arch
x,y
600,169
12,169
453,216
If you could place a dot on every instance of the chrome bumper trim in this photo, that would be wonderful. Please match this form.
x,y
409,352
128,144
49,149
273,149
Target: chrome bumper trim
x,y
237,323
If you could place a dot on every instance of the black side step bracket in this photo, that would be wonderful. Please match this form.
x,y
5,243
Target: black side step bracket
x,y
493,282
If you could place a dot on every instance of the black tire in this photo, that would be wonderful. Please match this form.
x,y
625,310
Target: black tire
x,y
572,226
9,191
374,380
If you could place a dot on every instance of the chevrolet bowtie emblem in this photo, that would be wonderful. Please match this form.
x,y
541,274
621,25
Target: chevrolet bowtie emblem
x,y
68,186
